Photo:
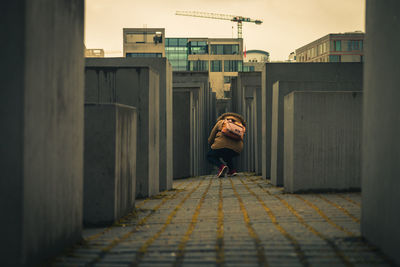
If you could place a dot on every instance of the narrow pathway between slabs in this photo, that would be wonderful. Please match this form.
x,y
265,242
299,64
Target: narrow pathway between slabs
x,y
236,221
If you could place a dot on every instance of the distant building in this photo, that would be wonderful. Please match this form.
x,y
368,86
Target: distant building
x,y
222,58
144,42
255,59
94,52
334,47
256,56
292,57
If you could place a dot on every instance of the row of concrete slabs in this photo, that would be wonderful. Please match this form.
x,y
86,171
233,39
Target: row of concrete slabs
x,y
259,97
174,115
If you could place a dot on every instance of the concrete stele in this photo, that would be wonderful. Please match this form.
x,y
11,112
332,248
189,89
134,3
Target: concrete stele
x,y
137,87
322,137
280,89
110,162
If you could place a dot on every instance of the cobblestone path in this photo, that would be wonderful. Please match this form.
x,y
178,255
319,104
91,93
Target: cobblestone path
x,y
239,221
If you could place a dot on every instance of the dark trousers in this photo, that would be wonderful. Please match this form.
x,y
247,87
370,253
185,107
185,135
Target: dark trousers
x,y
226,154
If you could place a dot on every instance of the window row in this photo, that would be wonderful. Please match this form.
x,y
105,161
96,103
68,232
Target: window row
x,y
229,65
143,55
172,56
198,47
182,42
198,65
225,49
352,45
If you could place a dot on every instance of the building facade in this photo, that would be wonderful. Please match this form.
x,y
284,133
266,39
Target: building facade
x,y
338,47
222,58
254,60
94,52
144,42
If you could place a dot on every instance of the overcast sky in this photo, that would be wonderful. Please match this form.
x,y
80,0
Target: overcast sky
x,y
287,24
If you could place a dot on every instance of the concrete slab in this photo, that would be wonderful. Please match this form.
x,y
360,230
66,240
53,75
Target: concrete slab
x,y
246,100
380,218
188,138
41,107
280,89
164,69
110,162
322,138
333,72
205,111
137,87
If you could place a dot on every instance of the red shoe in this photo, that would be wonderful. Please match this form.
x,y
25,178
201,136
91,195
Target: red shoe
x,y
222,170
232,173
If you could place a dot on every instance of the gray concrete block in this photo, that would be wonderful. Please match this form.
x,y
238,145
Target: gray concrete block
x,y
164,69
110,162
201,80
182,156
380,218
213,110
322,137
188,138
246,100
41,107
137,87
280,89
333,72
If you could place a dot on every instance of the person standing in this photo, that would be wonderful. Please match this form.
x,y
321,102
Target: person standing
x,y
225,146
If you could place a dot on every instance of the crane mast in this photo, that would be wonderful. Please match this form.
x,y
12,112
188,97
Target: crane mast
x,y
238,19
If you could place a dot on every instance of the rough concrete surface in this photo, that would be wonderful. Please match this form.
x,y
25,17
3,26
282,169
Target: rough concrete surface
x,y
41,106
246,100
333,72
188,135
164,69
280,89
322,137
137,87
381,147
180,78
110,162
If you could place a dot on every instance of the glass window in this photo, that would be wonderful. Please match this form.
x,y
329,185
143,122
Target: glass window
x,y
337,45
173,42
182,42
233,65
198,65
216,65
196,48
227,50
354,45
143,55
224,49
172,56
217,49
335,58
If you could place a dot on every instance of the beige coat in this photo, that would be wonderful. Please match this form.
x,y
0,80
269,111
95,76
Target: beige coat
x,y
217,140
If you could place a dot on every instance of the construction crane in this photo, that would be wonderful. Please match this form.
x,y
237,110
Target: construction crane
x,y
238,19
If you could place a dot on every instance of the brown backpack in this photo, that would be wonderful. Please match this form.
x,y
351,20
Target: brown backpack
x,y
233,129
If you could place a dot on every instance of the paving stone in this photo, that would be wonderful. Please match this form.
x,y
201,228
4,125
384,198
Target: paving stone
x,y
173,222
